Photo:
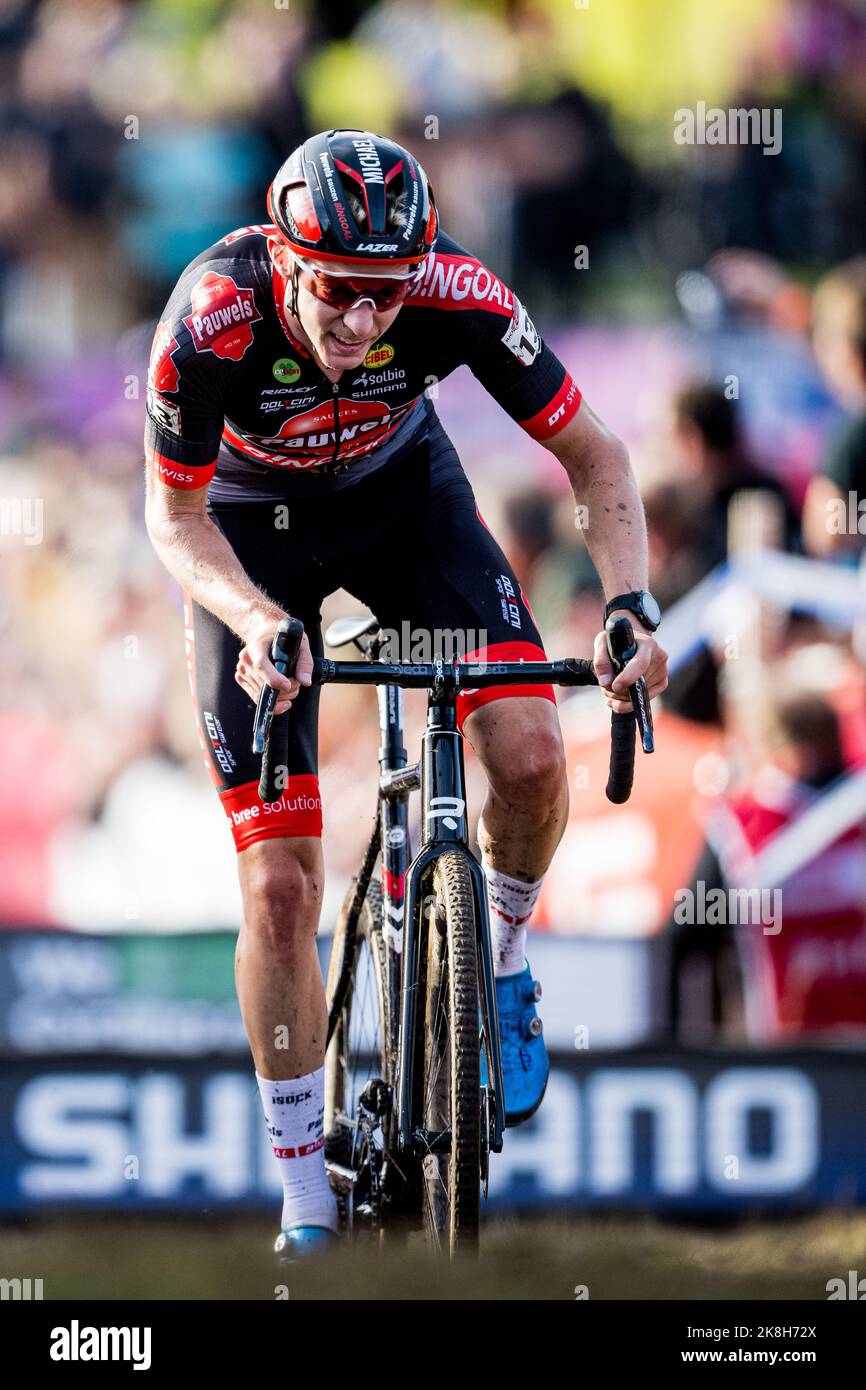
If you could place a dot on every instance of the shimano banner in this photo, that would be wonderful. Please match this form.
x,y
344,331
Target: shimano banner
x,y
723,1131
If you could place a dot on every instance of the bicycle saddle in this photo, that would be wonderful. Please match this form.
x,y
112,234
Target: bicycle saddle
x,y
342,631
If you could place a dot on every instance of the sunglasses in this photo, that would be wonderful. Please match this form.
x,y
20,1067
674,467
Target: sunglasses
x,y
338,292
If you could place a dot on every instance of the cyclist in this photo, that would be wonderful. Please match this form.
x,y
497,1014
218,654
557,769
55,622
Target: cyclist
x,y
292,450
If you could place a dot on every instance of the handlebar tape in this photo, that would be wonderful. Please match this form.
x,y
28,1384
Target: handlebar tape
x,y
621,647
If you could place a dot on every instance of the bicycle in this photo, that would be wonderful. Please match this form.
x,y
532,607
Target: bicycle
x,y
410,986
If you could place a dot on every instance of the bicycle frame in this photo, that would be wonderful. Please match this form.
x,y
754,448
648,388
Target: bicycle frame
x,y
440,777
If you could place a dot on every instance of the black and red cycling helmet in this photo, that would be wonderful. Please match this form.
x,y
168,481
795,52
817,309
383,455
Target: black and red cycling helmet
x,y
350,195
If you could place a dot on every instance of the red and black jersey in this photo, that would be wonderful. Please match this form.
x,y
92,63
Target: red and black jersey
x,y
234,397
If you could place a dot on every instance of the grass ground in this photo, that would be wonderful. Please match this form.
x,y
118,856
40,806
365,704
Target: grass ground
x,y
618,1258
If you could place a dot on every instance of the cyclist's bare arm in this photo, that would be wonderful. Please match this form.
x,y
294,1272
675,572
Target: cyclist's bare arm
x,y
198,556
613,524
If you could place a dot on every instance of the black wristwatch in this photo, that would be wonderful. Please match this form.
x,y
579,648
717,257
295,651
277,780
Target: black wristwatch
x,y
641,603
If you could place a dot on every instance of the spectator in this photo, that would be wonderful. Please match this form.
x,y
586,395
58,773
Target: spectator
x,y
810,976
839,337
710,450
688,522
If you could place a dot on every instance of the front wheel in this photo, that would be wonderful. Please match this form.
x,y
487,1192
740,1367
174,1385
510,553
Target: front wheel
x,y
451,1100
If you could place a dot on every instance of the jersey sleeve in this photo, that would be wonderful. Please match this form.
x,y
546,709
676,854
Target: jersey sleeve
x,y
500,343
184,419
523,374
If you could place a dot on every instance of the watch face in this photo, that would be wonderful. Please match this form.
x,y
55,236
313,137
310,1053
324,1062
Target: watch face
x,y
651,608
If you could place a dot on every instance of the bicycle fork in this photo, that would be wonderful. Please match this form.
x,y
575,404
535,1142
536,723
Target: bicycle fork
x,y
440,776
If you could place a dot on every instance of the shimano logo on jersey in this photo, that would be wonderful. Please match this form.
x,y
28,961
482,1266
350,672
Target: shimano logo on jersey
x,y
371,168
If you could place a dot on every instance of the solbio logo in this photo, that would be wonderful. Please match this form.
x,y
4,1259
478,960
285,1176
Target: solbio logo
x,y
286,370
379,356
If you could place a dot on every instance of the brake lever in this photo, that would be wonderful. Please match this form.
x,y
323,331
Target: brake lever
x,y
284,650
622,646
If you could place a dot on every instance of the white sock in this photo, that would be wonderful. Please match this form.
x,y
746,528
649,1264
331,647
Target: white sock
x,y
511,903
294,1114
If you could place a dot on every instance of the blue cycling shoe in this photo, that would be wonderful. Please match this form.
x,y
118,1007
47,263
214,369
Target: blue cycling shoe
x,y
300,1241
525,1067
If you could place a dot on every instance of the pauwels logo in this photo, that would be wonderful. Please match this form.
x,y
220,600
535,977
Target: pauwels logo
x,y
222,317
361,422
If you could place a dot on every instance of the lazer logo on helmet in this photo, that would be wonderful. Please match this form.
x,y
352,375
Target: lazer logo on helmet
x,y
377,246
222,317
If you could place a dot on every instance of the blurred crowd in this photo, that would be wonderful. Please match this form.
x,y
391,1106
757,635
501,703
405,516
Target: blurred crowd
x,y
717,320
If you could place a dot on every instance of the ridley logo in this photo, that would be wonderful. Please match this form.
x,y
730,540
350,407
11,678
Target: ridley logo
x,y
222,317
